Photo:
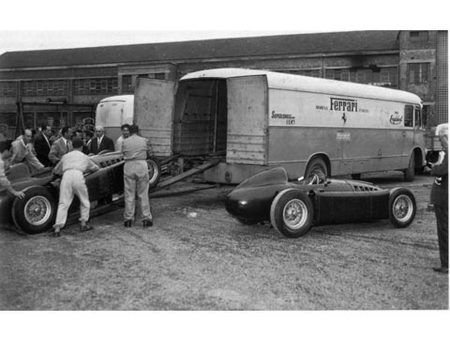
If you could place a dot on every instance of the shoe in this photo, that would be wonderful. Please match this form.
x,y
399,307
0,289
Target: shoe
x,y
84,228
441,269
147,223
127,223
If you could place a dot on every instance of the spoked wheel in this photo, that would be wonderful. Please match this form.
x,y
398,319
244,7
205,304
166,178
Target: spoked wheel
x,y
36,212
154,172
402,207
291,213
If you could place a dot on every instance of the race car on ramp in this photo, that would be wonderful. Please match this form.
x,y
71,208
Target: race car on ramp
x,y
294,207
36,212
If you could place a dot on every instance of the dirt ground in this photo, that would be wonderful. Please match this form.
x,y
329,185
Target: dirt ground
x,y
211,262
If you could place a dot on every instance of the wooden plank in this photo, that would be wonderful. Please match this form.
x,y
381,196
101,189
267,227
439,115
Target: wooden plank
x,y
186,174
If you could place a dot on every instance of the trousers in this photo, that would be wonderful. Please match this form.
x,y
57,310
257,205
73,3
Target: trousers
x,y
442,231
136,185
72,184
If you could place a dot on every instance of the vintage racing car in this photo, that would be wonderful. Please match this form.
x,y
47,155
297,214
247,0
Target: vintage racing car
x,y
294,207
37,211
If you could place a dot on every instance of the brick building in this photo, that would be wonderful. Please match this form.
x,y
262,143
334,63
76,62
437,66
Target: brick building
x,y
78,78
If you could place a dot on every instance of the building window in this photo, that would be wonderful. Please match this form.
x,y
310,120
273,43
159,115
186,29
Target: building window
x,y
8,119
127,84
45,88
418,73
418,36
386,77
160,76
8,88
103,86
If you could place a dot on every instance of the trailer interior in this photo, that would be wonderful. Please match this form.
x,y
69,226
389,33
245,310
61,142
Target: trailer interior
x,y
200,118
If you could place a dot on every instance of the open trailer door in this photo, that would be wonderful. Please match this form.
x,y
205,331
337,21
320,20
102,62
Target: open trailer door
x,y
247,120
153,113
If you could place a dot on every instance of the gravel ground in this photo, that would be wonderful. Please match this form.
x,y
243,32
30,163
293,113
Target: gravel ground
x,y
211,262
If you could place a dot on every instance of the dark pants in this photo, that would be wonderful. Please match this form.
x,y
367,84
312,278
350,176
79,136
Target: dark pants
x,y
442,230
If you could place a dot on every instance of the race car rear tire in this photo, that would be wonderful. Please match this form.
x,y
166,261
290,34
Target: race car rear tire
x,y
36,212
402,207
317,166
154,172
291,213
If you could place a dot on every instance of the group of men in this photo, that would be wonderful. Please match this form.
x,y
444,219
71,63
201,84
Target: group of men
x,y
68,154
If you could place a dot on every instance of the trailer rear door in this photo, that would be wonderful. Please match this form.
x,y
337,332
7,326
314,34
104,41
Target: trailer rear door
x,y
153,113
247,120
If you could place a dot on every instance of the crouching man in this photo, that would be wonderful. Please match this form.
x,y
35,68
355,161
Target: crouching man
x,y
72,167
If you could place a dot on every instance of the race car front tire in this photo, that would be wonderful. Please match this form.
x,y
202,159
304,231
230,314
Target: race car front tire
x,y
36,212
402,207
291,213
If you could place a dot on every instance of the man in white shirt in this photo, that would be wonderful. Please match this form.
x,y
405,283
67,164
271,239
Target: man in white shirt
x,y
125,128
72,167
23,152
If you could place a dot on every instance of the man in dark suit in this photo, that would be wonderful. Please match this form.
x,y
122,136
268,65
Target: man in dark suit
x,y
42,145
100,142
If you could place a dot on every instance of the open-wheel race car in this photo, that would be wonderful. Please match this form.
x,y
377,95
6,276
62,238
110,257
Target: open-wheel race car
x,y
36,212
294,207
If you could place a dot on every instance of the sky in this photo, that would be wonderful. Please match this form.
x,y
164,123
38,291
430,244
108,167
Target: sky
x,y
30,40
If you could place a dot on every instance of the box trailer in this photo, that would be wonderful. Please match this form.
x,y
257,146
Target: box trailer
x,y
259,119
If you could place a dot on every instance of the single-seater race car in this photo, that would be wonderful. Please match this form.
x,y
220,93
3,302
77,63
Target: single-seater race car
x,y
36,212
294,207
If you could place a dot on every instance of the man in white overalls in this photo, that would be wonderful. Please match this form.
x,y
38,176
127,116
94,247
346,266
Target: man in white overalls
x,y
135,150
72,166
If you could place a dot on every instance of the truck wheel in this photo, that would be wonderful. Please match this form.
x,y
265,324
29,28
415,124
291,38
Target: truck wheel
x,y
36,212
291,213
154,172
317,166
402,207
409,172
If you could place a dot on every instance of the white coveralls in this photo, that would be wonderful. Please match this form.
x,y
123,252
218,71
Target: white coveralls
x,y
73,165
135,175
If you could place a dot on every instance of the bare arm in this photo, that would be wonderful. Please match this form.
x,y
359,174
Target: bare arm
x,y
92,166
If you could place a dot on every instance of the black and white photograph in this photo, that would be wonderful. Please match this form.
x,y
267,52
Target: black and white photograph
x,y
288,169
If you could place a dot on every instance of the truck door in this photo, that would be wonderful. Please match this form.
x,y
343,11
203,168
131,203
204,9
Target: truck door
x,y
153,113
247,120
